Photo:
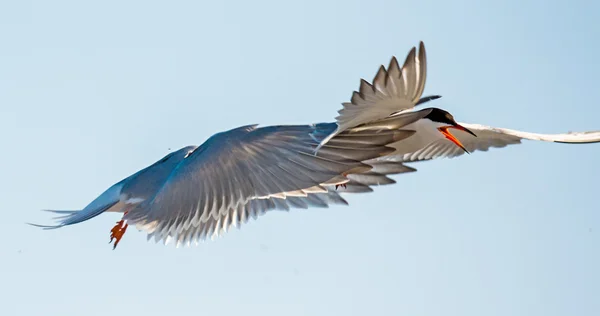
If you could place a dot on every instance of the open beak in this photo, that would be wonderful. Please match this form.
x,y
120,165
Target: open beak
x,y
448,135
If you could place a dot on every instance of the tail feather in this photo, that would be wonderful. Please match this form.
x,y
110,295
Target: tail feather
x,y
102,203
74,217
45,227
62,211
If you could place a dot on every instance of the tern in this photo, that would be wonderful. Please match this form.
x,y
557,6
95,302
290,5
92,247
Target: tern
x,y
200,192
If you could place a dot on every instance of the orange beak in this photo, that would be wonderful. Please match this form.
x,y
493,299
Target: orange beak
x,y
446,133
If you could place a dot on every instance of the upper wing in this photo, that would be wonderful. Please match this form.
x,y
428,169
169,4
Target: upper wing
x,y
393,90
233,169
488,137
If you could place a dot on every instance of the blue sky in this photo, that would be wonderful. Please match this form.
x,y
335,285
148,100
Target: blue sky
x,y
92,92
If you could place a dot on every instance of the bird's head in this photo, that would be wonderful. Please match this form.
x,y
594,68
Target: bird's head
x,y
445,121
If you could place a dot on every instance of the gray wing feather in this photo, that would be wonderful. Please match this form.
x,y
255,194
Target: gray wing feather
x,y
216,227
378,175
246,171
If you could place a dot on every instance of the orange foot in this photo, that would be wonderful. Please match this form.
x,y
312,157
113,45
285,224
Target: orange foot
x,y
117,232
342,185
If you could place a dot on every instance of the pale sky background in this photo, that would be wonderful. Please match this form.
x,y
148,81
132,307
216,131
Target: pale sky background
x,y
91,92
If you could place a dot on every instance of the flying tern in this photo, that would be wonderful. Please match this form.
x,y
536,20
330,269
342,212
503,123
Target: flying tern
x,y
200,192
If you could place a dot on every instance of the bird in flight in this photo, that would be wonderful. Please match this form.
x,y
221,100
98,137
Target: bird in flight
x,y
200,192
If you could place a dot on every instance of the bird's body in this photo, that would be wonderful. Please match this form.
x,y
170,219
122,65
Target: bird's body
x,y
201,191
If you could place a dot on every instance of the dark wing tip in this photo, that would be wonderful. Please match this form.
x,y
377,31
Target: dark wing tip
x,y
427,99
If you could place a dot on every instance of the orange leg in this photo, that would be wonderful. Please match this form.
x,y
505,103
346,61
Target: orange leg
x,y
117,232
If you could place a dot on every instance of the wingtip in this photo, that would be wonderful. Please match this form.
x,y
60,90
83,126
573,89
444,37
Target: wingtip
x,y
427,99
411,55
422,51
578,142
393,63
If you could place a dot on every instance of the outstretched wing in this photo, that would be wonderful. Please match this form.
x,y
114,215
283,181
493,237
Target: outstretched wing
x,y
487,137
393,90
226,176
